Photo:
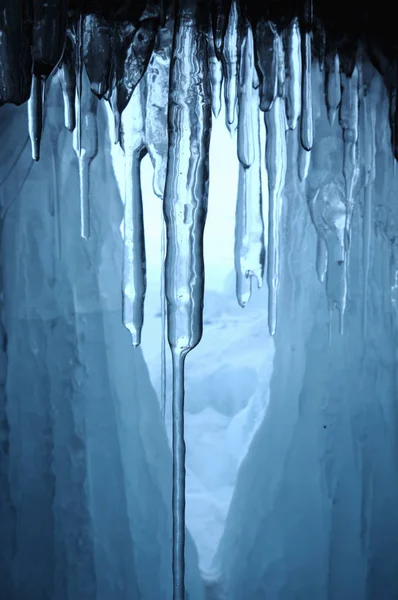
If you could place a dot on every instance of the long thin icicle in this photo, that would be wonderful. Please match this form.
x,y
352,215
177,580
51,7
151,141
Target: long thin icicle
x,y
246,137
349,124
85,143
333,89
267,44
249,225
185,208
306,124
134,262
35,115
216,77
276,163
231,68
294,68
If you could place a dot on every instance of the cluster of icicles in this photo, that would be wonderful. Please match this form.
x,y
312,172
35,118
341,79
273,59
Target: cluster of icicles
x,y
178,73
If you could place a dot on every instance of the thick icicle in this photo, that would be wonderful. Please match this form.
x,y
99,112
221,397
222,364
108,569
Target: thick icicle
x,y
35,115
68,84
185,208
246,136
306,123
231,68
327,211
85,143
219,17
349,124
304,161
249,225
216,77
157,83
134,262
294,68
333,90
97,53
136,49
267,45
276,163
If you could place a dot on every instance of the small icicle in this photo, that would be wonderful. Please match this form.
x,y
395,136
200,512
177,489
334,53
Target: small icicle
x,y
185,208
134,261
306,123
231,66
157,85
333,90
35,115
249,228
268,45
246,137
294,72
321,258
276,163
68,84
216,77
85,143
349,124
304,161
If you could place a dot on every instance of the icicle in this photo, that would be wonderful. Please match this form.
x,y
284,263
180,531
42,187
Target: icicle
x,y
333,91
249,225
219,17
349,124
246,137
85,143
306,123
134,262
276,162
304,161
369,133
35,115
97,53
294,72
157,83
281,71
216,77
135,52
163,366
327,211
185,208
231,65
68,84
267,44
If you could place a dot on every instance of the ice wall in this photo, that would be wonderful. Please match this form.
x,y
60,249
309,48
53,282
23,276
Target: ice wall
x,y
85,467
314,510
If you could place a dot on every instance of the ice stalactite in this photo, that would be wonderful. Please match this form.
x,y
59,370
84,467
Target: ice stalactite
x,y
231,58
185,208
267,46
349,124
304,161
333,86
96,53
249,225
35,115
219,17
246,136
216,77
294,76
68,84
276,163
134,262
85,139
306,122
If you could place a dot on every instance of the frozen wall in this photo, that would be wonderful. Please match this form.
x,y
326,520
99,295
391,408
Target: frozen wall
x,y
314,513
85,466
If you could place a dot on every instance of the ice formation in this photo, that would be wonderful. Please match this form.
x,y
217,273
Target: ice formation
x,y
163,71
